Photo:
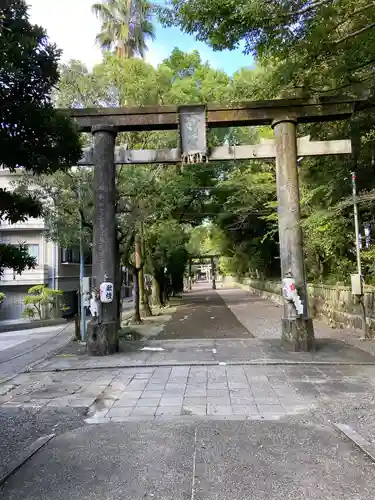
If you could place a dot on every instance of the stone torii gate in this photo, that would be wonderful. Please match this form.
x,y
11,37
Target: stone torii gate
x,y
192,122
200,259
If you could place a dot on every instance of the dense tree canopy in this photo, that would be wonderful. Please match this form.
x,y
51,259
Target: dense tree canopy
x,y
313,45
300,48
33,135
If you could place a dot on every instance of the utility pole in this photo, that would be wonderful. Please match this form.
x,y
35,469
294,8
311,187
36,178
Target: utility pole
x,y
356,224
81,277
358,253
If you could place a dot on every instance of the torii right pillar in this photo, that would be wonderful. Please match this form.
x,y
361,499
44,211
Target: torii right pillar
x,y
297,330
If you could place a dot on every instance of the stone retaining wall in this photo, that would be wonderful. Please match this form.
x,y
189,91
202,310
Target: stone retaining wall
x,y
334,303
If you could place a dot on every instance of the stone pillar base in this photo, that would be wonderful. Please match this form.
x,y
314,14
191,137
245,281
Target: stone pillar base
x,y
101,339
298,333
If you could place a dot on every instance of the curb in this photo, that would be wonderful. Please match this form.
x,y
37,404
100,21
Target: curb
x,y
365,446
208,363
36,363
25,456
30,326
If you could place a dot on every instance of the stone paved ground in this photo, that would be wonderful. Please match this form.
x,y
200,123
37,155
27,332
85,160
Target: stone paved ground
x,y
262,318
246,392
203,315
248,378
269,432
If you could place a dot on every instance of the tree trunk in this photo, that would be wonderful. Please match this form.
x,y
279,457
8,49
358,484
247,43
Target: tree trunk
x,y
166,288
163,294
118,286
136,313
136,274
146,309
177,284
156,291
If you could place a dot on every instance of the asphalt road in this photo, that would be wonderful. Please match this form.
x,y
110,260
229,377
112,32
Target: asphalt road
x,y
190,460
20,428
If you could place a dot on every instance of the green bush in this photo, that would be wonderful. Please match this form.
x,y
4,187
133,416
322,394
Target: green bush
x,y
41,301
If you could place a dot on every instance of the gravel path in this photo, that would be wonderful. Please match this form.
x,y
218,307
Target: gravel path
x,y
204,315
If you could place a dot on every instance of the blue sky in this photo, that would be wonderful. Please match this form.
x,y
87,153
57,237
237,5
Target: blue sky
x,y
72,26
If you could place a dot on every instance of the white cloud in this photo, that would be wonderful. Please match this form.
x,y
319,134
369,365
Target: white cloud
x,y
71,25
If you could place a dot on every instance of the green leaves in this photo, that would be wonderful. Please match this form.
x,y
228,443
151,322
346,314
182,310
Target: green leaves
x,y
33,135
15,257
317,45
41,301
16,207
303,48
126,26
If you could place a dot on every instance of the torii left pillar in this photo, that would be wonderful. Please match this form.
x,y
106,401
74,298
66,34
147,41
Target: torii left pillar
x,y
102,334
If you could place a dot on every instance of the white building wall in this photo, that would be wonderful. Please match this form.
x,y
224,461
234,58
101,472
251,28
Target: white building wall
x,y
49,271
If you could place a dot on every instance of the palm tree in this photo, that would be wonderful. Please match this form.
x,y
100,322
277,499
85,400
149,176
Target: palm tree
x,y
126,26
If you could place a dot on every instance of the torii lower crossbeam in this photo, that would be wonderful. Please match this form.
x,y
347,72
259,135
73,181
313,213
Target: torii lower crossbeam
x,y
265,151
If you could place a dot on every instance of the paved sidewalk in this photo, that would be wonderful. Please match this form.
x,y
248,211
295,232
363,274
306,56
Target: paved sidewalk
x,y
206,330
262,317
243,391
243,378
203,315
22,349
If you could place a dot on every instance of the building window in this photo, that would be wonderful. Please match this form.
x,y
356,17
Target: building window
x,y
71,256
67,256
34,252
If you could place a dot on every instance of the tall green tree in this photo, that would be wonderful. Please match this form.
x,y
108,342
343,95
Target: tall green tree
x,y
126,26
315,45
305,48
33,135
167,196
